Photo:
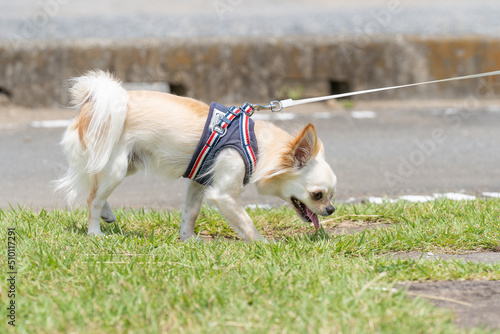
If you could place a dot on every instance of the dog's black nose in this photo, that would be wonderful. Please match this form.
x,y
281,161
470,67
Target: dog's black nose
x,y
330,209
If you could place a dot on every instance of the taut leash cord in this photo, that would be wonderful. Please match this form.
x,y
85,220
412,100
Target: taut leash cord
x,y
280,105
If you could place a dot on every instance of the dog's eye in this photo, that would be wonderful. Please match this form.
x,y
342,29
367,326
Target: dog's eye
x,y
318,195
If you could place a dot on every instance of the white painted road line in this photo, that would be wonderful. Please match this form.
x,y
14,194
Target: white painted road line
x,y
424,198
363,114
57,123
493,195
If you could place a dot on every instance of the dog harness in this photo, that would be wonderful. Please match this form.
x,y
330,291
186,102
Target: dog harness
x,y
226,127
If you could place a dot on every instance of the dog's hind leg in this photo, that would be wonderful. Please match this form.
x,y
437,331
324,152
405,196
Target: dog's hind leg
x,y
95,205
107,214
103,185
97,202
191,208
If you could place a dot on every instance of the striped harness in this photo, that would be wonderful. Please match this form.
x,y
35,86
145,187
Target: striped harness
x,y
226,127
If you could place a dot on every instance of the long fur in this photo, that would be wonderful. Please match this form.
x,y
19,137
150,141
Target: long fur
x,y
106,116
89,141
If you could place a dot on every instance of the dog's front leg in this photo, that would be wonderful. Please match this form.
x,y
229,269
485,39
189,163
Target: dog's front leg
x,y
191,208
231,208
225,192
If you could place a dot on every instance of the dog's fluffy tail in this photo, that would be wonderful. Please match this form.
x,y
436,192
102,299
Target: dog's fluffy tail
x,y
104,103
89,141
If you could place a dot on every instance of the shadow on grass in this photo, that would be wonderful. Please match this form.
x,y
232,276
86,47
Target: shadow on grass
x,y
109,229
322,234
319,235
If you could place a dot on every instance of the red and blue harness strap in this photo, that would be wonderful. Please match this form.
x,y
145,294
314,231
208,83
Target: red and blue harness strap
x,y
245,140
219,131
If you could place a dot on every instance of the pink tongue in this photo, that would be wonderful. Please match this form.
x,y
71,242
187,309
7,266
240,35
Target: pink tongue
x,y
313,217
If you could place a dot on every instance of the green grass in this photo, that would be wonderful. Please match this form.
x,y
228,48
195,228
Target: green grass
x,y
141,279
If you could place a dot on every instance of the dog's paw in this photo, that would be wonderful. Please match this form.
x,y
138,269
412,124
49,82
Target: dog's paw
x,y
108,220
107,214
263,240
256,237
192,238
96,234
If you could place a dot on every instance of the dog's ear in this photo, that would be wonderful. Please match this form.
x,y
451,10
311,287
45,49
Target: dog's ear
x,y
299,151
305,146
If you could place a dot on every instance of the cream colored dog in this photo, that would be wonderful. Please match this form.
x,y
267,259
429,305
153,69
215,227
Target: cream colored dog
x,y
117,133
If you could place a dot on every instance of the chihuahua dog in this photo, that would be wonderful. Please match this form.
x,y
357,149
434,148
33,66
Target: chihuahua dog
x,y
116,133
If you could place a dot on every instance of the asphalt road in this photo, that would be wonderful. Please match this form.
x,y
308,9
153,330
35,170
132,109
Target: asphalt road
x,y
66,19
382,149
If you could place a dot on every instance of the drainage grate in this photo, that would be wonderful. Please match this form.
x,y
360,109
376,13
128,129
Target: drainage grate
x,y
177,89
6,92
339,87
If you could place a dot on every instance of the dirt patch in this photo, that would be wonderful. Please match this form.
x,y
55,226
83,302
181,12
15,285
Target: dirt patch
x,y
344,227
475,303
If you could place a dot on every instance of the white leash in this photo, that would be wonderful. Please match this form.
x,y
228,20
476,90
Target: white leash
x,y
279,105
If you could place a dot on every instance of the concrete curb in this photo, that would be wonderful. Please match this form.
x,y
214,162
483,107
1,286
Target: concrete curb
x,y
235,69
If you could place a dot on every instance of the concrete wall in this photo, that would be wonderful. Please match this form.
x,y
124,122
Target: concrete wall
x,y
256,70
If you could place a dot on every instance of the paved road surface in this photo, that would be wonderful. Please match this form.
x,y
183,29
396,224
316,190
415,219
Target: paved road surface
x,y
55,19
375,150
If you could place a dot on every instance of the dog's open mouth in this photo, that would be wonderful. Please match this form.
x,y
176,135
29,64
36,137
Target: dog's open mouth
x,y
304,212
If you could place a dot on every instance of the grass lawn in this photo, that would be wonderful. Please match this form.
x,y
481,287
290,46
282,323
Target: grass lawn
x,y
141,279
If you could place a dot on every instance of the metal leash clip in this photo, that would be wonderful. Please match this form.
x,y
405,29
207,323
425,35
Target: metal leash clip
x,y
274,106
220,130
